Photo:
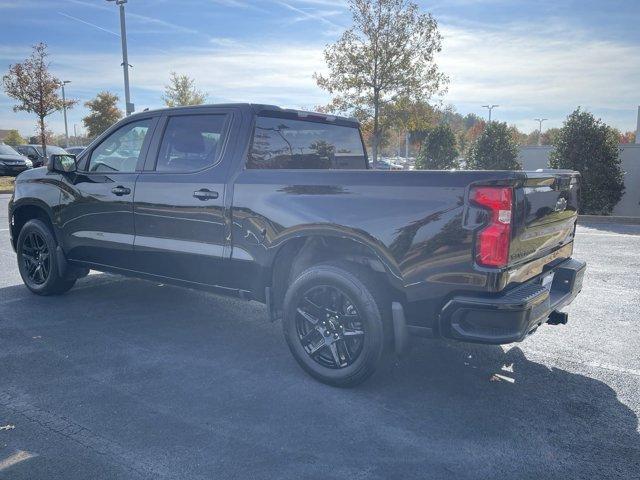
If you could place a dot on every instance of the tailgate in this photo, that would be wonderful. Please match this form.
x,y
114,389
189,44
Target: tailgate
x,y
546,210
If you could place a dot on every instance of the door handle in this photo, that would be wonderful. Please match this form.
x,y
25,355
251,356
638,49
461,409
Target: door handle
x,y
205,194
120,190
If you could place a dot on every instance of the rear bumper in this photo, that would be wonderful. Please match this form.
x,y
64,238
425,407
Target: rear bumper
x,y
516,314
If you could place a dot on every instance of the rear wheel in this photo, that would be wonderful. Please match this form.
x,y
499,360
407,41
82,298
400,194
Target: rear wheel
x,y
333,324
36,249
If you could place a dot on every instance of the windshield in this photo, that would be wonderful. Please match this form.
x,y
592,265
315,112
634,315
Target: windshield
x,y
7,150
52,149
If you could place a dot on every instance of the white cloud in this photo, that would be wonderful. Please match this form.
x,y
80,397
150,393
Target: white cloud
x,y
529,69
539,69
235,72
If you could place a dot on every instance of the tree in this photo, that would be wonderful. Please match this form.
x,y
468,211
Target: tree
x,y
410,120
519,137
104,113
628,137
591,147
35,88
14,138
495,149
549,136
182,91
387,54
439,150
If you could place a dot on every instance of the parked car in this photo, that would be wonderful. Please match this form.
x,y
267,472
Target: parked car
x,y
75,150
36,154
249,200
11,162
382,164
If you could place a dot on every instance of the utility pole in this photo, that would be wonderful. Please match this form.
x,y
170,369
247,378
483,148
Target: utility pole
x,y
75,133
406,145
64,112
129,107
490,108
638,128
540,120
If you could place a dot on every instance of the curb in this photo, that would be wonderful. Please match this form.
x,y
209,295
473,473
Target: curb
x,y
608,219
6,191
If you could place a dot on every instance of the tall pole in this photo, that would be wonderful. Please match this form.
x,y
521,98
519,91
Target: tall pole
x,y
490,108
64,112
406,145
638,128
75,133
540,120
129,107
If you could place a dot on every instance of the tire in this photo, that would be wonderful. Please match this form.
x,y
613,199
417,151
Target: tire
x,y
36,251
352,359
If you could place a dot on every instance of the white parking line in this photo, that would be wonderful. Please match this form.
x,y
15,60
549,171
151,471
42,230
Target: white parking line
x,y
600,365
589,234
19,456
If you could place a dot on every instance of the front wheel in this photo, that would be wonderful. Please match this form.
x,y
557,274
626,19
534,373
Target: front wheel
x,y
333,323
36,249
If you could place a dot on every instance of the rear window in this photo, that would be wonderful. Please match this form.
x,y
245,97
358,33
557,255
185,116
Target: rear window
x,y
287,143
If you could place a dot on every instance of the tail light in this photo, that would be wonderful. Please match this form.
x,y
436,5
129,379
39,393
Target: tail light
x,y
492,242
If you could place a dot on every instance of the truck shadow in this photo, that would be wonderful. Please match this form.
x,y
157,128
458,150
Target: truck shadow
x,y
216,378
554,422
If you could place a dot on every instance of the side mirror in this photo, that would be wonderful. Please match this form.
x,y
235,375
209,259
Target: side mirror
x,y
32,156
62,163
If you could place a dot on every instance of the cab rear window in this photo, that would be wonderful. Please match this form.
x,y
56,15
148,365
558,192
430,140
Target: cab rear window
x,y
282,143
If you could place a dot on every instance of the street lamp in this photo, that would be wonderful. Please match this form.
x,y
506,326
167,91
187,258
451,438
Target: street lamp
x,y
129,107
540,120
490,108
64,112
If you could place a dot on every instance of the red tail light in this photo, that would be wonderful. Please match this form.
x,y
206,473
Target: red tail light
x,y
492,242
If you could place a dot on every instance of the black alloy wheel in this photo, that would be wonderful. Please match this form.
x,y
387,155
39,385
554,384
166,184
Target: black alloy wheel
x,y
329,327
335,315
36,258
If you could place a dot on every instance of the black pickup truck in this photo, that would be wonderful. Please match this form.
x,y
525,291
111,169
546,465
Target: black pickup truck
x,y
280,206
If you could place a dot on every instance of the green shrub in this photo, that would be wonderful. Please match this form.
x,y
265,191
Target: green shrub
x,y
439,150
494,149
588,145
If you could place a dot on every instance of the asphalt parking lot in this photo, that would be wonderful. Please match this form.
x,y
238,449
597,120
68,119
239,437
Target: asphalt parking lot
x,y
126,379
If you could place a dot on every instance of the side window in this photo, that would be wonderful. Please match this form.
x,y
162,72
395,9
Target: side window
x,y
190,143
286,143
121,150
27,151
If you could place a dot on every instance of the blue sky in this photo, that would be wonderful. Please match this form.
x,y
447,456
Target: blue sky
x,y
533,58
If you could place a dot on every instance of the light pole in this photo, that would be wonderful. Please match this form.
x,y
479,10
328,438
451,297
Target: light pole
x,y
638,128
490,108
64,112
540,120
129,107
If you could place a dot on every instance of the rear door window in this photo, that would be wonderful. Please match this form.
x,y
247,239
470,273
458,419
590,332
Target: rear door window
x,y
287,143
191,143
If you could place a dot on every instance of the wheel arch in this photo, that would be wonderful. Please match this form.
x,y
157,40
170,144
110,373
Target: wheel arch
x,y
298,252
26,210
